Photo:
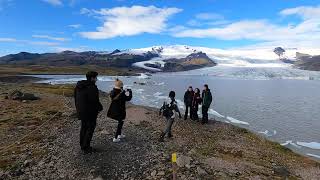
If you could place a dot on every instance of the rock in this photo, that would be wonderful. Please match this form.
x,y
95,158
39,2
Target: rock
x,y
15,95
154,173
27,163
125,176
183,161
24,101
161,173
201,171
281,171
98,178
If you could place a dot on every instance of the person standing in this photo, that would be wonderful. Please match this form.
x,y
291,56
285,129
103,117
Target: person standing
x,y
117,109
195,104
88,106
188,97
169,110
206,102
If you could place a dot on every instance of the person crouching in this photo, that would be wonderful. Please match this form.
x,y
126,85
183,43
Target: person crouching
x,y
168,110
117,109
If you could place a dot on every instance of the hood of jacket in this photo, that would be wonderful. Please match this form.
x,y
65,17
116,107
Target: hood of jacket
x,y
84,84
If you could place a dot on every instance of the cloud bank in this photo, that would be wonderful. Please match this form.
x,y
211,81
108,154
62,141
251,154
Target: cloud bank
x,y
128,21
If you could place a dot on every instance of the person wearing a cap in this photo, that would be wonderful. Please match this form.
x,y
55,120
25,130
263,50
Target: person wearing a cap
x,y
117,109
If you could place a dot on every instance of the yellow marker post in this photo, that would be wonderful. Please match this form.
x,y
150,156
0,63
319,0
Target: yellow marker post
x,y
174,166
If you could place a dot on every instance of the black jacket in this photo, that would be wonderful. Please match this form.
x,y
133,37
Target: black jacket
x,y
86,97
188,97
117,109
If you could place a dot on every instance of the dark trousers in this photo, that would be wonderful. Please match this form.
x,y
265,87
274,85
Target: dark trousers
x,y
86,132
168,126
188,108
205,114
119,128
194,113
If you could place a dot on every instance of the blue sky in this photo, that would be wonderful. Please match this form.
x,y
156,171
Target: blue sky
x,y
56,25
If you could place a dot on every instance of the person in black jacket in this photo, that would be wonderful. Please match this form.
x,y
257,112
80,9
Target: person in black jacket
x,y
206,102
188,97
117,109
197,100
88,106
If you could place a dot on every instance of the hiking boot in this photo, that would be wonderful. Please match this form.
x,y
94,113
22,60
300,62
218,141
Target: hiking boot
x,y
121,136
116,140
88,150
161,139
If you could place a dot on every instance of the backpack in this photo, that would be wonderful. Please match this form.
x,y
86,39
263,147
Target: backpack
x,y
167,110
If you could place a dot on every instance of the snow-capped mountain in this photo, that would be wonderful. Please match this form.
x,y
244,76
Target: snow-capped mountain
x,y
261,57
166,58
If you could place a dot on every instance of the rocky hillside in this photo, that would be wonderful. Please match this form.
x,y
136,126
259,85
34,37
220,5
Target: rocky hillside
x,y
308,62
193,61
114,59
70,58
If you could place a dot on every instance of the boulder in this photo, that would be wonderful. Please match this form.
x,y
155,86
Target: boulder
x,y
18,95
183,161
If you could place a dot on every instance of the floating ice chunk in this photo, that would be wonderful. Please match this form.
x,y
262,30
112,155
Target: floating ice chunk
x,y
159,84
236,121
104,78
158,94
290,143
314,155
139,90
311,145
268,133
215,113
143,76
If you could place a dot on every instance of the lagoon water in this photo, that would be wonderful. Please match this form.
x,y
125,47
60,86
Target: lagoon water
x,y
282,104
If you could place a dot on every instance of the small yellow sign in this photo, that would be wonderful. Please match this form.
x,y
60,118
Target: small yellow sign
x,y
174,157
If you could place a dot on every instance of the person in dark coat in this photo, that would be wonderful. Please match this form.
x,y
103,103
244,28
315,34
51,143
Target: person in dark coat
x,y
86,96
117,109
197,100
206,102
188,97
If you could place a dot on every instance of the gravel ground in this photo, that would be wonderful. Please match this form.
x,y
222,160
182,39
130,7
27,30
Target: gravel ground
x,y
214,151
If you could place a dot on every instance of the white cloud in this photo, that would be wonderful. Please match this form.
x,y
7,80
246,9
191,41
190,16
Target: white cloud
x,y
50,37
43,43
209,16
211,19
54,2
306,31
128,21
76,49
8,40
75,26
28,42
307,12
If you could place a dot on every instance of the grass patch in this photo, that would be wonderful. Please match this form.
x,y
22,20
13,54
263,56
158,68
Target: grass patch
x,y
41,69
281,148
66,90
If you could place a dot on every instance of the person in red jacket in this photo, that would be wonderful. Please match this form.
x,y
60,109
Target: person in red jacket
x,y
196,101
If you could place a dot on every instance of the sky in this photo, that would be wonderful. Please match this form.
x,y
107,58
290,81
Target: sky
x,y
104,25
